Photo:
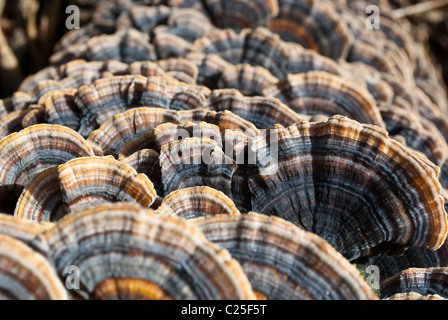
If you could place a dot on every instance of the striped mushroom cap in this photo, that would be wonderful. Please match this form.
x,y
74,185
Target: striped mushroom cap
x,y
195,162
19,229
414,296
80,183
111,96
229,14
284,262
257,47
315,25
328,94
422,281
247,79
225,120
125,252
26,153
130,125
263,112
351,184
389,266
26,274
125,45
146,161
419,133
197,202
186,23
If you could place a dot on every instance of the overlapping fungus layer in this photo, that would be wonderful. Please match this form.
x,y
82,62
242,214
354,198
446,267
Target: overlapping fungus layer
x,y
227,150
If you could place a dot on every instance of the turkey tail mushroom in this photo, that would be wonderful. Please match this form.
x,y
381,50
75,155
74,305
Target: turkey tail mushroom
x,y
196,202
26,153
26,274
284,262
389,199
126,252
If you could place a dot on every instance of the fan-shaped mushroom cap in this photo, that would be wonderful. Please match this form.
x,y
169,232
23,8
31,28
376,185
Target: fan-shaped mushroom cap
x,y
328,94
147,161
237,14
257,47
42,200
210,67
225,120
197,202
87,181
419,133
284,262
12,122
186,23
195,162
82,182
26,153
414,296
126,45
168,133
19,229
127,126
181,69
425,282
382,196
315,25
263,112
125,252
108,97
61,109
27,275
249,80
302,60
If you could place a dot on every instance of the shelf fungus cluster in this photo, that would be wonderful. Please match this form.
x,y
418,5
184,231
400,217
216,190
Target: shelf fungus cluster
x,y
183,150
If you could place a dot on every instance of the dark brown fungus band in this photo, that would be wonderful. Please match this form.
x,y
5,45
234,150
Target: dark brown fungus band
x,y
284,262
125,252
382,197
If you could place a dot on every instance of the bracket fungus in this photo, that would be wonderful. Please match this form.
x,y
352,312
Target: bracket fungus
x,y
421,281
126,252
284,262
351,184
196,202
319,92
26,274
289,120
26,153
80,183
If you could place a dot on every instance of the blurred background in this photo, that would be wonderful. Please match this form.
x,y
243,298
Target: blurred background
x,y
31,28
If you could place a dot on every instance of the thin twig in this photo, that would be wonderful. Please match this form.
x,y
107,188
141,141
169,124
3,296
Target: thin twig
x,y
419,8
